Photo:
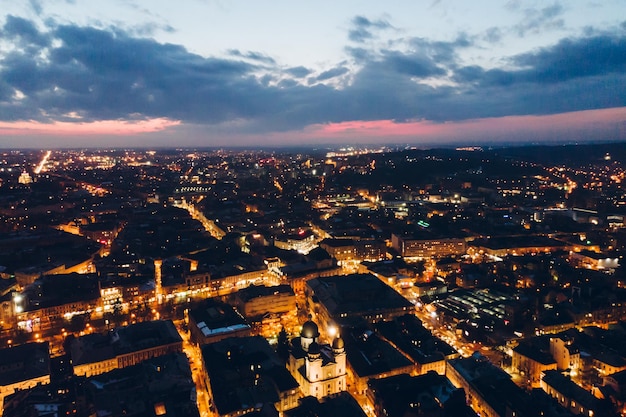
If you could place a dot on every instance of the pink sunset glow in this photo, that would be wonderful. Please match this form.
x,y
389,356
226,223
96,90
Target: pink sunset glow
x,y
99,128
489,128
604,124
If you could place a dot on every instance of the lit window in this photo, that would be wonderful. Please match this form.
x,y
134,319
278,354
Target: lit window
x,y
159,409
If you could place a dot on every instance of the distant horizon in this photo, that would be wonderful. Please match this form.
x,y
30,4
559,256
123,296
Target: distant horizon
x,y
395,147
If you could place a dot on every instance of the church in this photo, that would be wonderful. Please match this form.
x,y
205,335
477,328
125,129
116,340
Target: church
x,y
320,369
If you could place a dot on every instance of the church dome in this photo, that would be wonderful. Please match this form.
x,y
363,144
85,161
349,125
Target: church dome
x,y
309,330
338,343
315,348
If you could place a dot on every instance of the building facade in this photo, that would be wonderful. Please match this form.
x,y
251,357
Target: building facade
x,y
319,369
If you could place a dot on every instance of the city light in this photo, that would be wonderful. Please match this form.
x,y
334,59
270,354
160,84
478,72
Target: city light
x,y
510,266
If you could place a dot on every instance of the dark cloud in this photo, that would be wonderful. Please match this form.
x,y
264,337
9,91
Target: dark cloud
x,y
298,72
493,35
287,83
25,31
254,56
331,73
363,27
36,6
567,60
537,20
105,74
441,51
108,75
574,58
416,65
360,54
575,74
150,28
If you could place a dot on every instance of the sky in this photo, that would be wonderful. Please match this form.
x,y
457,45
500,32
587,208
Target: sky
x,y
203,73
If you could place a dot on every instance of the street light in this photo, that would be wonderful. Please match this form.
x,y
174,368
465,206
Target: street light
x,y
332,331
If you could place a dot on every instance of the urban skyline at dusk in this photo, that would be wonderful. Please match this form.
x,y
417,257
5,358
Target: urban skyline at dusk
x,y
277,74
291,209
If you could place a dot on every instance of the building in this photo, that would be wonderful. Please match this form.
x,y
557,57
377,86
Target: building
x,y
319,369
347,250
491,392
617,384
297,274
258,300
57,398
303,241
593,260
161,386
430,289
608,362
116,291
213,320
52,299
428,394
532,361
371,357
102,232
341,404
94,354
267,309
573,397
517,245
395,272
341,299
418,247
244,375
7,305
24,178
565,352
429,353
23,367
340,249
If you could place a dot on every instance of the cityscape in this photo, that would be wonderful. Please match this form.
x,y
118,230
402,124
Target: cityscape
x,y
312,209
355,281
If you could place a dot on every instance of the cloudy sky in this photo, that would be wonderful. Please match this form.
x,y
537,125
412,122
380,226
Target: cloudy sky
x,y
279,72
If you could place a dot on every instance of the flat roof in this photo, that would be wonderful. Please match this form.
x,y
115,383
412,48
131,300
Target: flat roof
x,y
356,294
214,317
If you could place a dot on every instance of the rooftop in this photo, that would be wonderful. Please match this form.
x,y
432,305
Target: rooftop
x,y
572,391
214,317
534,352
159,384
512,242
370,355
403,395
258,291
356,294
245,372
24,362
132,338
341,404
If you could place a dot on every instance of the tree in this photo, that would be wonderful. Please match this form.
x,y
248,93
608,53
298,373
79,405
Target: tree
x,y
282,347
78,322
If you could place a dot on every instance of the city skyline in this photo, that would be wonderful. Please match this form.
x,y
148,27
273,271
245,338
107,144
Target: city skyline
x,y
278,74
188,281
